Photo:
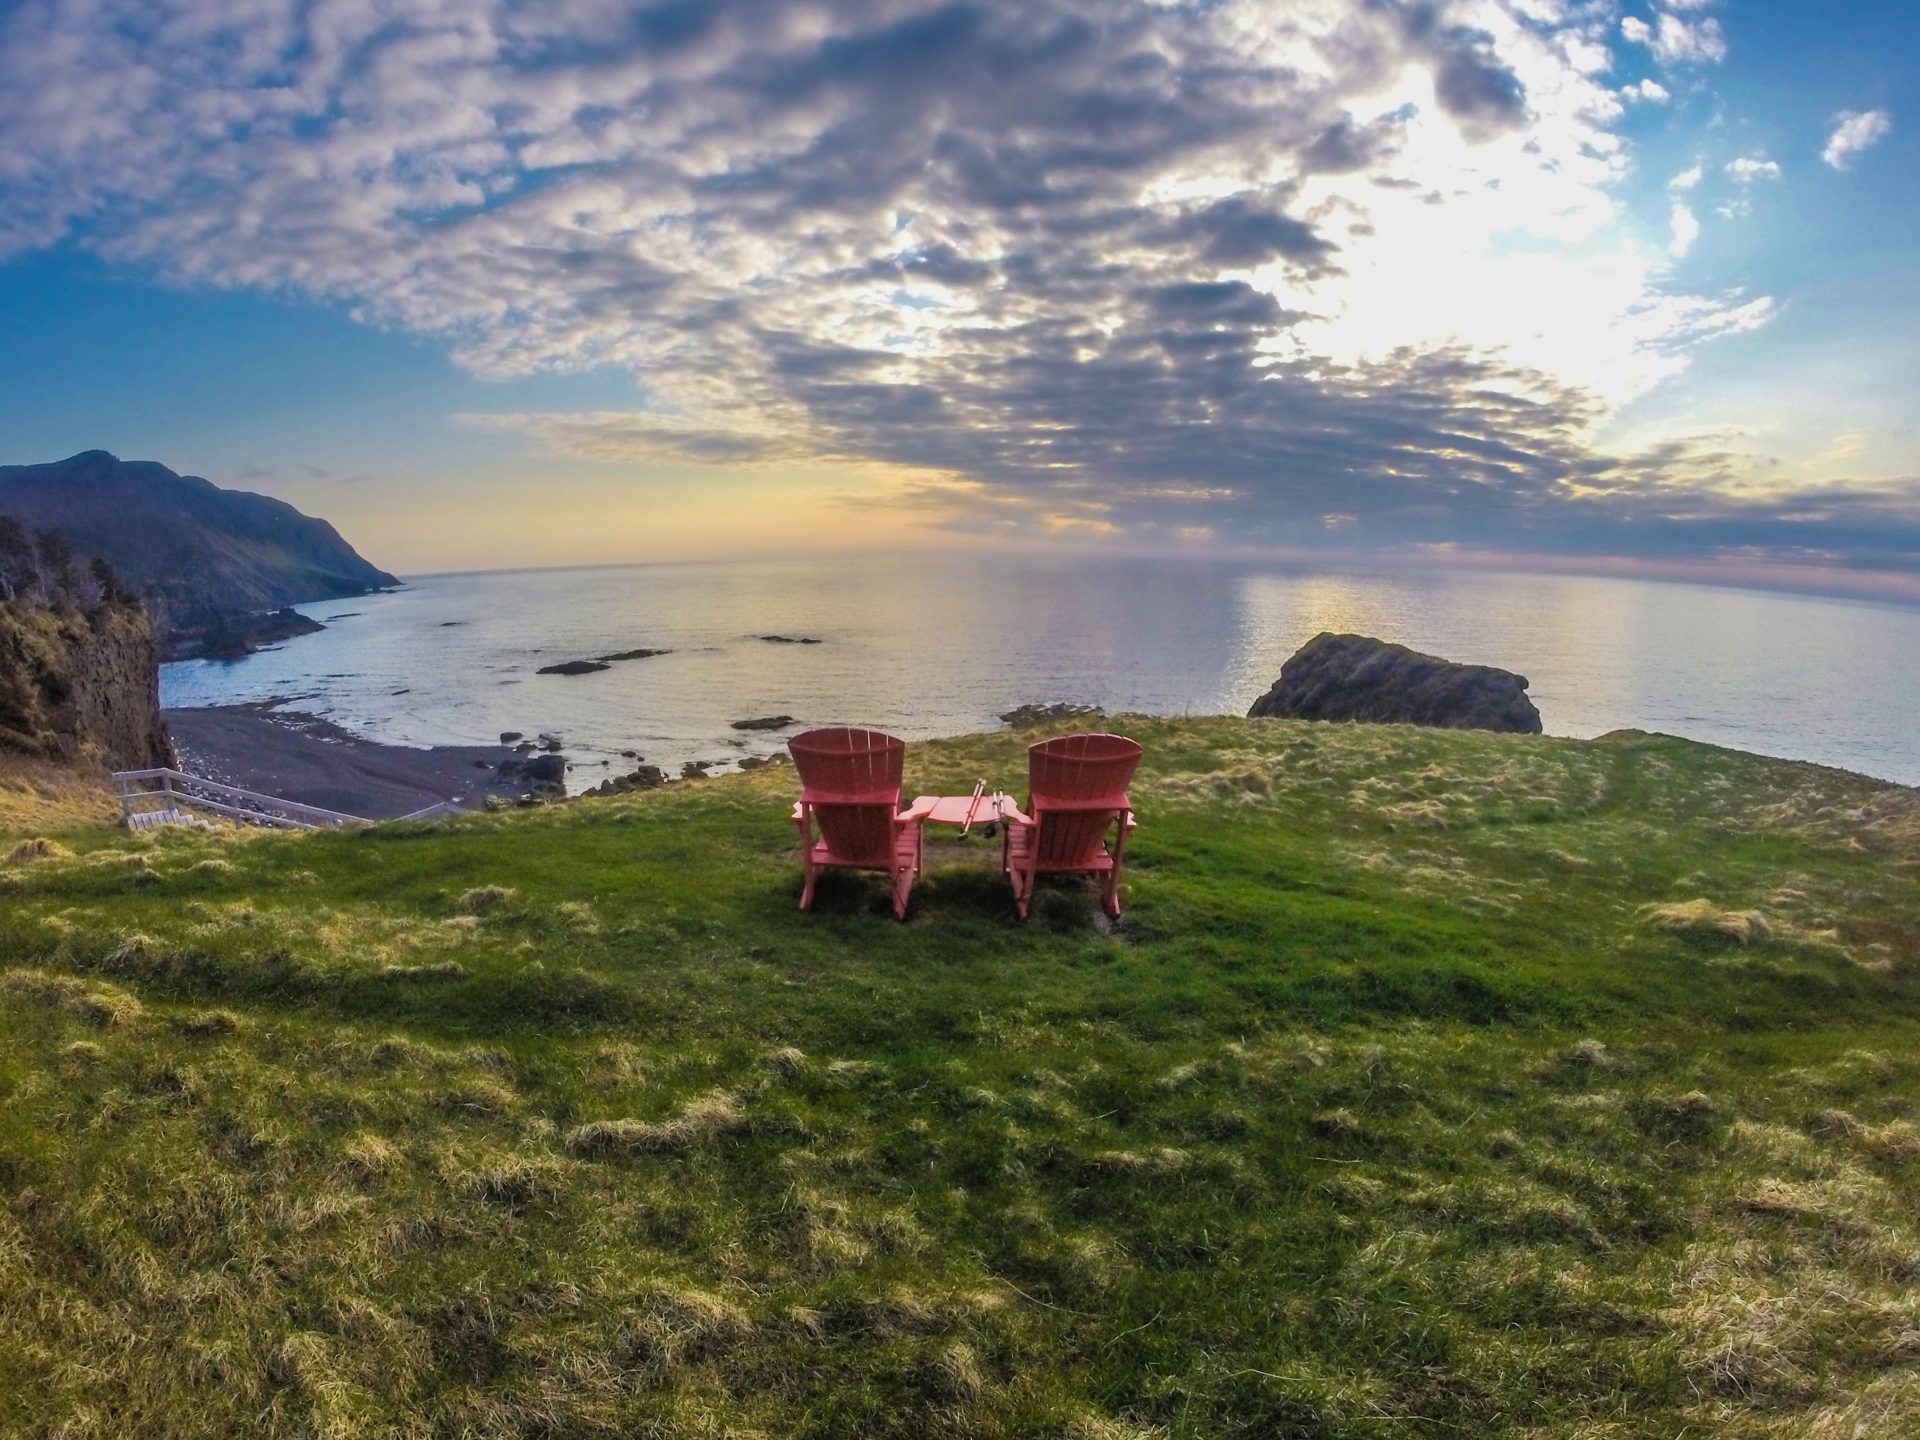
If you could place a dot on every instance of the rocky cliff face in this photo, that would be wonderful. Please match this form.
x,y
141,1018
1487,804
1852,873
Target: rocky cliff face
x,y
198,552
1355,677
81,687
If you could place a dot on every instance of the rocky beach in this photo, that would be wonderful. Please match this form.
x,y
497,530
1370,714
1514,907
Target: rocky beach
x,y
316,762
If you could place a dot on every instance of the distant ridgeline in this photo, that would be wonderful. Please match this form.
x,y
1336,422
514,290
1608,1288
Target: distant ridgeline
x,y
209,563
79,669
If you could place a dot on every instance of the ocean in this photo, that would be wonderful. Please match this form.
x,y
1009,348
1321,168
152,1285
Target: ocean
x,y
925,646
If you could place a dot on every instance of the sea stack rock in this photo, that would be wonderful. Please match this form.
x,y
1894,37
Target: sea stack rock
x,y
1355,677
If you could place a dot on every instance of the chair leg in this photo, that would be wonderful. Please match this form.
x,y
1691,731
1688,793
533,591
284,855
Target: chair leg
x,y
902,888
807,859
1124,827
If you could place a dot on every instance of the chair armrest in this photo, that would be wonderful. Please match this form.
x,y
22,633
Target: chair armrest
x,y
1013,815
799,810
1127,821
916,813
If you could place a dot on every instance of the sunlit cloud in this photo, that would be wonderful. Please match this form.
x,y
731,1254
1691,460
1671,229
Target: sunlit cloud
x,y
1747,169
1854,131
1686,230
1675,40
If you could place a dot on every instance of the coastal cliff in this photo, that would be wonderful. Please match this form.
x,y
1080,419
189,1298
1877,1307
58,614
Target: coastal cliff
x,y
81,686
205,559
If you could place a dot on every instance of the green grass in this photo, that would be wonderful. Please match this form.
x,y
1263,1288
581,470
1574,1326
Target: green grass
x,y
1434,1084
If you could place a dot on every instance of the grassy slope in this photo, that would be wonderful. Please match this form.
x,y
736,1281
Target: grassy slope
x,y
1389,1109
38,796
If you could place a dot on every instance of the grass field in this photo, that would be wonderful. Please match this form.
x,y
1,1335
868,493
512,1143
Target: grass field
x,y
1434,1084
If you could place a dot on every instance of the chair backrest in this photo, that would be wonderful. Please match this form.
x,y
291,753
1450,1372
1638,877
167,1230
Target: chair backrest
x,y
1076,785
851,779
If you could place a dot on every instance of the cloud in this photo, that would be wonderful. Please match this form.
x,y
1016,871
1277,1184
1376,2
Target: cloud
x,y
1646,92
1854,131
1675,41
1686,230
1097,265
1749,168
623,437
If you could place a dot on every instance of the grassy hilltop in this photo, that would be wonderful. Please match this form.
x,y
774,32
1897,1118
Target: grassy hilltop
x,y
1434,1084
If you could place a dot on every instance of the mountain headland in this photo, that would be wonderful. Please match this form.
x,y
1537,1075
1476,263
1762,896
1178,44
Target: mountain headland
x,y
206,560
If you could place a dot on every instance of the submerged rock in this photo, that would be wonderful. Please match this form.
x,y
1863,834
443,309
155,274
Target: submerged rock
x,y
1044,714
1356,677
788,639
542,772
646,777
765,722
605,660
572,667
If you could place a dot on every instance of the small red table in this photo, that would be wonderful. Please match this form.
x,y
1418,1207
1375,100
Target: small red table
x,y
961,810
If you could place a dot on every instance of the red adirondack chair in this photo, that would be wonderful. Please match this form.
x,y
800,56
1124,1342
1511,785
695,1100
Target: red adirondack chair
x,y
850,788
1077,793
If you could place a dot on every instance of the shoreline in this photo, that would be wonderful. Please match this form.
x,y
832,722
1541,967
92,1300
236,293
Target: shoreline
x,y
297,756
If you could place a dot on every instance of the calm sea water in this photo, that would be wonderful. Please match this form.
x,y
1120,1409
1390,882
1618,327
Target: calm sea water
x,y
925,647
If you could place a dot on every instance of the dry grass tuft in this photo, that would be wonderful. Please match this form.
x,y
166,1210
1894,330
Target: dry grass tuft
x,y
206,1024
1837,1122
81,1055
1164,1161
670,1329
372,1157
484,900
1898,1141
1103,1427
135,952
1703,920
517,1181
853,1072
39,795
578,916
1337,1125
38,848
442,970
785,1062
1587,1055
706,1117
957,1371
101,1005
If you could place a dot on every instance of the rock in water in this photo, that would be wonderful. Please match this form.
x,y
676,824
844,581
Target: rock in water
x,y
1355,677
543,774
572,667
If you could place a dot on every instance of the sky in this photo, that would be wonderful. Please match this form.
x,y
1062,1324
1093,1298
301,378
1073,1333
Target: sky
x,y
1614,285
